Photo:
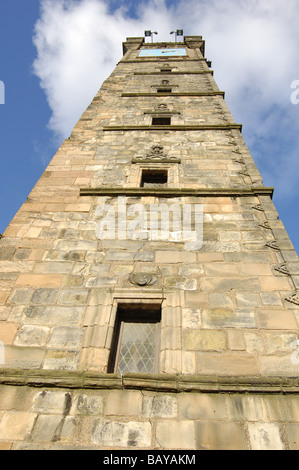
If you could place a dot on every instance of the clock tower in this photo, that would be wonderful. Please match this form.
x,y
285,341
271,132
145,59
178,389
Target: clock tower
x,y
147,263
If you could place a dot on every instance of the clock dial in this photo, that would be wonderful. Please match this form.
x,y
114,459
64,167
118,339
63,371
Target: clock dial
x,y
163,52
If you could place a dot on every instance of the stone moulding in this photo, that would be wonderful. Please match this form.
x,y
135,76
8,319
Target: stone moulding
x,y
153,382
176,93
178,192
204,127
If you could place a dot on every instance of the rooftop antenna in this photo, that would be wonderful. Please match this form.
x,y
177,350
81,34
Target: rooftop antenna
x,y
150,33
178,32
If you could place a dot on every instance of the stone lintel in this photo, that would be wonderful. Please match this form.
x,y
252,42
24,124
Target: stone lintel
x,y
178,192
153,382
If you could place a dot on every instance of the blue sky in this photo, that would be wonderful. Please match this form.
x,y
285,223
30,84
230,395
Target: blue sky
x,y
49,48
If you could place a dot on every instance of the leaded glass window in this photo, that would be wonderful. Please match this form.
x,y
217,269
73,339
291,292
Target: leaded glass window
x,y
137,339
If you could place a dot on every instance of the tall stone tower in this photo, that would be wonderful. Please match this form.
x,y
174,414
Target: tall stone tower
x,y
149,262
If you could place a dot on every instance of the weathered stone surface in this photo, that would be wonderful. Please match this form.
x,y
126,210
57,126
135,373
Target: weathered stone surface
x,y
181,435
265,436
122,434
220,436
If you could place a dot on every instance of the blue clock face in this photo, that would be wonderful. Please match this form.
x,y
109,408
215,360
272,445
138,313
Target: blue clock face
x,y
162,52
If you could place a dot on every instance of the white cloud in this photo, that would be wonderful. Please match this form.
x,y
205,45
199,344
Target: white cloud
x,y
253,45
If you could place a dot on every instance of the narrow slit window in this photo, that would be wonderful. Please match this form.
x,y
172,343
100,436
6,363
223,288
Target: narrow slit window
x,y
137,339
166,70
161,121
152,178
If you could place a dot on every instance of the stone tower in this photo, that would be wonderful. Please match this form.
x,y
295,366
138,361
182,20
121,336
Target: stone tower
x,y
149,262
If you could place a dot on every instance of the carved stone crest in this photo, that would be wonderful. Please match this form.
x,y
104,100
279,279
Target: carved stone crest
x,y
157,155
162,107
142,279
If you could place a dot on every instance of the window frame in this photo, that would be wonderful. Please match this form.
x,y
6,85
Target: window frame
x,y
126,313
148,171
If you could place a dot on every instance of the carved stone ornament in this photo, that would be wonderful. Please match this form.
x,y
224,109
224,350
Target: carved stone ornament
x,y
244,173
239,160
283,269
266,225
294,299
162,107
156,155
259,207
273,245
142,279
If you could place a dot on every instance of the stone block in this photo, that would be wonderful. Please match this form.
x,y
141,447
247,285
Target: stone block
x,y
39,280
254,343
175,435
236,340
227,284
32,335
292,436
202,407
225,318
271,283
61,360
265,436
23,357
45,428
170,257
196,300
123,403
247,300
271,298
204,340
219,436
226,364
276,319
54,315
244,408
283,408
21,296
191,318
51,402
122,434
220,301
44,296
87,404
8,332
73,297
16,426
180,282
66,338
163,406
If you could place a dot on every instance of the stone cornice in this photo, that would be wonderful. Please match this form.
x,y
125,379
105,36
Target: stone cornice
x,y
204,127
201,72
179,192
198,93
153,382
